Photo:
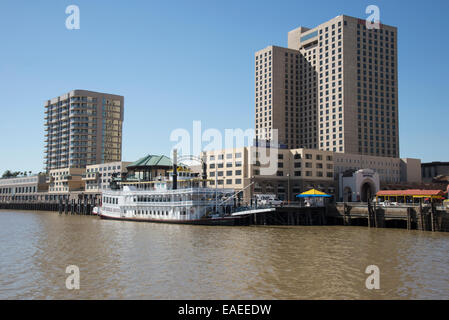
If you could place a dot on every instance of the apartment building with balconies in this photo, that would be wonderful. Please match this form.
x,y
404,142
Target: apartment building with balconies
x,y
83,128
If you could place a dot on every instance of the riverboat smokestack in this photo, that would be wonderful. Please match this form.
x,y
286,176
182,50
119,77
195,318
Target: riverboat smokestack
x,y
204,170
175,169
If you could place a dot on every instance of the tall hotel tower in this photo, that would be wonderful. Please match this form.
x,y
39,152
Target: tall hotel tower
x,y
83,128
334,88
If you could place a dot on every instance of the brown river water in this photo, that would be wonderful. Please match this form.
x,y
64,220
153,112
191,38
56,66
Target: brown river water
x,y
132,260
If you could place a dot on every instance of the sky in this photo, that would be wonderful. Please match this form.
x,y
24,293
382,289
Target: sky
x,y
176,62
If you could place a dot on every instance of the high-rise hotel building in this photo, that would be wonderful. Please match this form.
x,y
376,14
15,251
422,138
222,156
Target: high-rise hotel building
x,y
83,128
334,88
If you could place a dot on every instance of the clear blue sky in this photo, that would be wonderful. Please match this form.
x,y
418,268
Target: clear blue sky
x,y
179,61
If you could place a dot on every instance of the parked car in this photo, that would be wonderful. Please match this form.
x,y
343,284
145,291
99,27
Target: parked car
x,y
387,203
268,200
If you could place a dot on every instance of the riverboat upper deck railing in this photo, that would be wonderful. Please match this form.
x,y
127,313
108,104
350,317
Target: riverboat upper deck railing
x,y
169,191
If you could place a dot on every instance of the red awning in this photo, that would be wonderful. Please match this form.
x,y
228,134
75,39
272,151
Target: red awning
x,y
411,193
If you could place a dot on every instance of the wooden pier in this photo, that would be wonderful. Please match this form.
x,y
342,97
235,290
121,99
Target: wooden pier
x,y
425,218
410,217
290,215
80,206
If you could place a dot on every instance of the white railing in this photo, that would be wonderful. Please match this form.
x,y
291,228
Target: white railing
x,y
172,203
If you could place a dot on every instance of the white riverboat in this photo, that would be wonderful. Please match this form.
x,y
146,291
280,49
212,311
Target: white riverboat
x,y
184,206
162,201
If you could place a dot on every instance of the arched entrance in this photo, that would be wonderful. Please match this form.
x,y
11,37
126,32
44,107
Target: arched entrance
x,y
367,192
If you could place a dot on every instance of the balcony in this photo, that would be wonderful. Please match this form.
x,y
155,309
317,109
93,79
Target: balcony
x,y
90,176
81,126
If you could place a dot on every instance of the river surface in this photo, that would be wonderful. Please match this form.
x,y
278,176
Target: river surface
x,y
132,260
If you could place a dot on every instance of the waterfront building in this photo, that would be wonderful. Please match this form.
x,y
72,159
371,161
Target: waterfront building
x,y
358,186
228,168
83,128
65,180
334,88
299,170
411,170
23,189
431,170
98,177
390,170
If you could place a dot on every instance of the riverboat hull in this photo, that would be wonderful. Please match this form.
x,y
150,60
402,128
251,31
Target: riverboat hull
x,y
222,221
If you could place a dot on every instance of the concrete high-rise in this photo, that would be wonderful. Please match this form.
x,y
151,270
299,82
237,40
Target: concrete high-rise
x,y
83,128
334,88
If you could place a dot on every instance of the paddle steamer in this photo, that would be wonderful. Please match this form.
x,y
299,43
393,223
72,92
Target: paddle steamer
x,y
180,198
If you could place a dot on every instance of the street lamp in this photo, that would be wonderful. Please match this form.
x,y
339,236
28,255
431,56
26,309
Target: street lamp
x,y
252,191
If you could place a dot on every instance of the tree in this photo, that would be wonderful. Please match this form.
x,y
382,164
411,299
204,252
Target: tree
x,y
10,174
7,174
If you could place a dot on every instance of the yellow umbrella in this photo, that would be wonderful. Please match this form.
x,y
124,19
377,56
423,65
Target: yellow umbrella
x,y
313,193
